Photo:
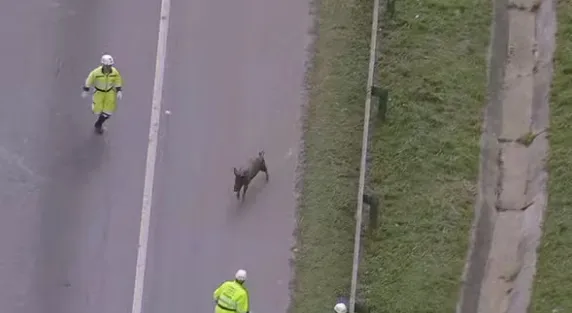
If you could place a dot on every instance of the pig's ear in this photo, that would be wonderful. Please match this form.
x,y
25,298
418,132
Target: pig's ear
x,y
235,171
261,153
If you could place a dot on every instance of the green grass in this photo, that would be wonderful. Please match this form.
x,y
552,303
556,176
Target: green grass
x,y
553,284
332,155
425,157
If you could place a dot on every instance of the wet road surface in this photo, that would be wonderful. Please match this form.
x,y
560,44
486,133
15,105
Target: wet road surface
x,y
71,200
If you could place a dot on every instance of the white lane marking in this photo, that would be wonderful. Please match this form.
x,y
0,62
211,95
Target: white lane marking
x,y
151,158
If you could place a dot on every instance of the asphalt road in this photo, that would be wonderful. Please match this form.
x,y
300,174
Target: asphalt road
x,y
71,200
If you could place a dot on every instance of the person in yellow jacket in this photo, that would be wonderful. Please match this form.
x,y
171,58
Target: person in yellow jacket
x,y
232,295
107,82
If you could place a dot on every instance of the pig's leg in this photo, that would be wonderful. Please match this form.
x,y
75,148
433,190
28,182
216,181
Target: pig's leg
x,y
244,191
265,170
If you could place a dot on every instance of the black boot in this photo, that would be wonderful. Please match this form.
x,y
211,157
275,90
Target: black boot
x,y
99,123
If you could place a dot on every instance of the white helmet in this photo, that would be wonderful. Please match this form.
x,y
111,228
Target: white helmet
x,y
340,308
106,59
240,275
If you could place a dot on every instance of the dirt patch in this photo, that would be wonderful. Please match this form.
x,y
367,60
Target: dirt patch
x,y
512,194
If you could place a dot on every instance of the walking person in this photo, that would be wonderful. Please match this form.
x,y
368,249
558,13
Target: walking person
x,y
108,83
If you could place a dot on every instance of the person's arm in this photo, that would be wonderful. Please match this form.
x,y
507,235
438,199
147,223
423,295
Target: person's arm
x,y
89,81
242,305
118,81
217,292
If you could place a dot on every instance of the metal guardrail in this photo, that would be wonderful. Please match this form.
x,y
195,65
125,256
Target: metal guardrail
x,y
364,148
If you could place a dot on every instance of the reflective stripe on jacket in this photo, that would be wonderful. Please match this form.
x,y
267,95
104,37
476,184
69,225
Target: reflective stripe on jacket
x,y
232,296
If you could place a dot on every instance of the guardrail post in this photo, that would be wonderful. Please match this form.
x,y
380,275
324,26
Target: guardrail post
x,y
382,95
373,202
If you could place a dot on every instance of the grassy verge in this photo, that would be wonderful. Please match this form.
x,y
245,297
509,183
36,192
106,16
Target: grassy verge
x,y
425,157
553,284
332,154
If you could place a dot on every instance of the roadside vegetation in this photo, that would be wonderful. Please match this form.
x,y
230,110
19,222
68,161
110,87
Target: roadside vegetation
x,y
553,281
424,157
332,144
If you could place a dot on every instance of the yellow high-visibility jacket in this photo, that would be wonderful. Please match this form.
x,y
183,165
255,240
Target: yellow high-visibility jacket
x,y
104,82
232,296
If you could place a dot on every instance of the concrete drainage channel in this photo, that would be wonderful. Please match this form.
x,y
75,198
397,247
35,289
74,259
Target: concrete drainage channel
x,y
513,180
